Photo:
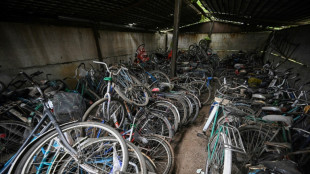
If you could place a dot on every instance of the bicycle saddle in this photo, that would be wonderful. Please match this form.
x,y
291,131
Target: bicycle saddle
x,y
259,96
17,93
238,66
271,108
284,167
258,102
163,87
286,119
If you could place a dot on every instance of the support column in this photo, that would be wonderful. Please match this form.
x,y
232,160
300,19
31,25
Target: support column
x,y
175,38
96,36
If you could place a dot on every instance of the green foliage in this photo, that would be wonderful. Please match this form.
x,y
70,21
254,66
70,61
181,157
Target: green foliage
x,y
204,19
207,38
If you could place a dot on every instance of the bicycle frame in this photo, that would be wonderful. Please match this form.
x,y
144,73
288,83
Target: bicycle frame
x,y
232,141
47,115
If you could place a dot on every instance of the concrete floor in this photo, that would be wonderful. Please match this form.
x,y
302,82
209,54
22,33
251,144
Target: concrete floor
x,y
189,149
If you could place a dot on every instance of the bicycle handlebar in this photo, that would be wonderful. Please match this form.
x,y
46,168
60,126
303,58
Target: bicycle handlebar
x,y
108,69
81,65
33,83
27,77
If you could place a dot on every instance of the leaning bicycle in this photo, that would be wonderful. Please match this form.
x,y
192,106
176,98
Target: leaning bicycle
x,y
70,147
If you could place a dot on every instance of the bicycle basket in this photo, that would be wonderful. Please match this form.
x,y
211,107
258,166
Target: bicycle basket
x,y
68,107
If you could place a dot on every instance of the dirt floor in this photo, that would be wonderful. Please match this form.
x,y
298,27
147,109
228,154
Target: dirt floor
x,y
189,149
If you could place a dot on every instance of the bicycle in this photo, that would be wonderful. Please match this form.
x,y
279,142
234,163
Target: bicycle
x,y
224,139
66,142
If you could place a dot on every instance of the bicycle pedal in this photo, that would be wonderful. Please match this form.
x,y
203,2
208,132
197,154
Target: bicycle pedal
x,y
202,135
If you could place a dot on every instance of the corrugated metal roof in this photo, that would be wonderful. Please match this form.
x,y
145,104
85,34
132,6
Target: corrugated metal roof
x,y
146,14
260,12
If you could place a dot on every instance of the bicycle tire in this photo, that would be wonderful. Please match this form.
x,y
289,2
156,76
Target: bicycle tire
x,y
13,134
182,106
163,158
94,114
27,162
195,106
156,73
206,96
246,109
190,103
135,153
136,89
190,108
255,150
168,110
149,164
216,164
136,163
151,123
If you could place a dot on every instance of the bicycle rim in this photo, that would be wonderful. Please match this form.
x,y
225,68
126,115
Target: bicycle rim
x,y
48,155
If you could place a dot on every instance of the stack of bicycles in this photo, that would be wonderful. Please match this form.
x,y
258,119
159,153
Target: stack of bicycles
x,y
198,56
70,147
117,118
259,123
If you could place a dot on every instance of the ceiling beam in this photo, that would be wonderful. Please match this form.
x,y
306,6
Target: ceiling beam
x,y
239,5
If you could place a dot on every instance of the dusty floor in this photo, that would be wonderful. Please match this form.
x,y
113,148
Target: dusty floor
x,y
189,149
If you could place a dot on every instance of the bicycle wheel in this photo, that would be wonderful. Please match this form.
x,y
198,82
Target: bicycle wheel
x,y
219,160
227,72
154,123
150,165
136,163
189,103
156,77
205,96
254,138
160,152
131,90
98,112
181,105
203,43
188,106
200,84
12,136
195,106
103,156
246,109
168,110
